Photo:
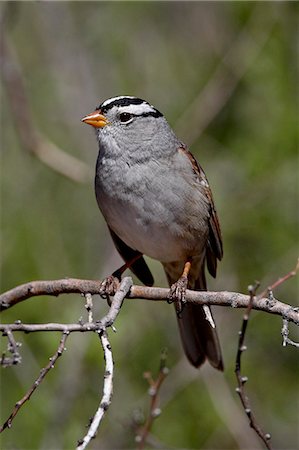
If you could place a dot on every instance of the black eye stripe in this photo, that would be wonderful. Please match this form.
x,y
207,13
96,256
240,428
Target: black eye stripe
x,y
155,113
126,117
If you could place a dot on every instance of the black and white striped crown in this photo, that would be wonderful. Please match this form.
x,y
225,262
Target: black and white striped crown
x,y
133,105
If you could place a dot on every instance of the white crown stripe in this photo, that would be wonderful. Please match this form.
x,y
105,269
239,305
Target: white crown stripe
x,y
113,99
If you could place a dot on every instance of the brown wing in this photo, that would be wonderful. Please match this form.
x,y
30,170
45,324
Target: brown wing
x,y
214,245
200,339
139,267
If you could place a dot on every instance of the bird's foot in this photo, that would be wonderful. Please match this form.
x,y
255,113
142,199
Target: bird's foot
x,y
177,294
108,287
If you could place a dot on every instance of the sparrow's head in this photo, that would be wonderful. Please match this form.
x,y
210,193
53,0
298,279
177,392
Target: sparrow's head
x,y
128,121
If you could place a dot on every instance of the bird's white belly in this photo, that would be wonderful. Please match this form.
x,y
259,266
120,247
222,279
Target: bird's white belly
x,y
157,235
153,239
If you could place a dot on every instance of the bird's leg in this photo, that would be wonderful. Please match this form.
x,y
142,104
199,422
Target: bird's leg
x,y
118,273
111,283
177,293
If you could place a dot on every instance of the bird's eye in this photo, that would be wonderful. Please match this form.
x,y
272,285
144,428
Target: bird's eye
x,y
125,117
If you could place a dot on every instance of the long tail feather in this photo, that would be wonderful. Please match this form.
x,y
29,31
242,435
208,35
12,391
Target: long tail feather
x,y
198,332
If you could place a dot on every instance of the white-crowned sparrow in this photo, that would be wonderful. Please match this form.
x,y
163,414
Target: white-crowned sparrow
x,y
156,200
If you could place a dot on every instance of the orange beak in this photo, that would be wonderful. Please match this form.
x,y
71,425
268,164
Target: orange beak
x,y
96,119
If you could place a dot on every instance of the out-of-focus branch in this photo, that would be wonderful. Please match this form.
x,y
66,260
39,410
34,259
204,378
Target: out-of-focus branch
x,y
223,83
30,138
74,285
154,411
38,381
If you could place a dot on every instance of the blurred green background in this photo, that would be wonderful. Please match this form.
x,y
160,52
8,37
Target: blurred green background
x,y
225,76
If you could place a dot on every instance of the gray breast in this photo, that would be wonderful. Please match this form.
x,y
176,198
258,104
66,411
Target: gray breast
x,y
154,206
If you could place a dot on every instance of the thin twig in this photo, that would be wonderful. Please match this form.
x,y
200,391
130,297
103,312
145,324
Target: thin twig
x,y
43,373
74,285
88,305
285,335
242,379
154,410
12,347
106,321
281,280
265,437
107,393
62,327
269,291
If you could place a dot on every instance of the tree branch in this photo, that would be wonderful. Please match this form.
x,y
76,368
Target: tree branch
x,y
126,289
73,285
98,326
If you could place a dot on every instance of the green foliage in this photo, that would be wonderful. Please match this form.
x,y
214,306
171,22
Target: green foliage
x,y
73,55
